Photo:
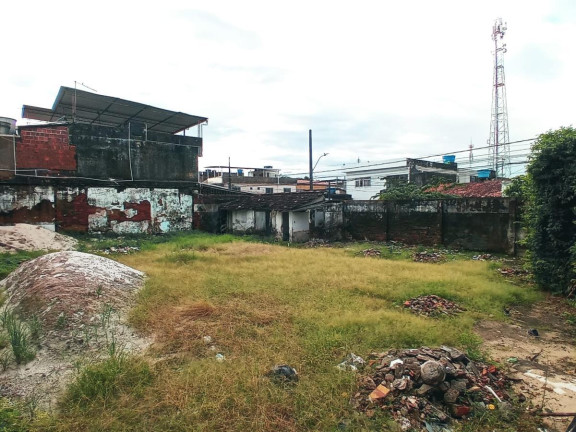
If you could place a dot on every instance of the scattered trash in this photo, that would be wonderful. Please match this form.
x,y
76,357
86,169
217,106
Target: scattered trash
x,y
220,357
113,250
426,388
207,339
283,373
432,305
533,332
482,257
352,362
429,257
512,360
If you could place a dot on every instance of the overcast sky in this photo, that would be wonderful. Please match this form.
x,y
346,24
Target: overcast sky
x,y
373,79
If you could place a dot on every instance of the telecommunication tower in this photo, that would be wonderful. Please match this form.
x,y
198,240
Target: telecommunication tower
x,y
498,143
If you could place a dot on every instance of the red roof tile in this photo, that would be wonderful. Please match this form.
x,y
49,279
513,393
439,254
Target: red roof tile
x,y
483,189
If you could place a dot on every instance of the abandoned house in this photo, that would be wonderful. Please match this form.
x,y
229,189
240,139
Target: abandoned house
x,y
100,163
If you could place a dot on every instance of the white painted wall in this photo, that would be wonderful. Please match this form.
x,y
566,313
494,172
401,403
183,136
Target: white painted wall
x,y
300,226
241,220
169,210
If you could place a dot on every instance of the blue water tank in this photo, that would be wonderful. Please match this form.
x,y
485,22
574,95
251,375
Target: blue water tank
x,y
240,172
448,159
485,173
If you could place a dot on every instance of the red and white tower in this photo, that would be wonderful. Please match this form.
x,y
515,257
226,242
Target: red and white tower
x,y
498,143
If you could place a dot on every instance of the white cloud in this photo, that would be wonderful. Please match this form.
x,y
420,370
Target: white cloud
x,y
372,79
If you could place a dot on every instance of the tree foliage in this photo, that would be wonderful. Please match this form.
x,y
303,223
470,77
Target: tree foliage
x,y
409,191
551,209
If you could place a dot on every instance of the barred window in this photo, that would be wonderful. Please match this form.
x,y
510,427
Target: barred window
x,y
363,182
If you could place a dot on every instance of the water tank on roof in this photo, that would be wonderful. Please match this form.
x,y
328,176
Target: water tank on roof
x,y
448,159
484,173
268,167
240,172
7,126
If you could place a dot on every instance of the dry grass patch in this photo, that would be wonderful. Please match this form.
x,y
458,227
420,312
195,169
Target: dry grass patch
x,y
264,305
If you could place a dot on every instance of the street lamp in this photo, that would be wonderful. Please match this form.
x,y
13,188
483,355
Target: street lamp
x,y
312,171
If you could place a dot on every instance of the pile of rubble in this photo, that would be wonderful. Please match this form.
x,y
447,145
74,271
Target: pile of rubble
x,y
483,257
317,242
371,252
117,250
424,387
432,305
511,271
428,257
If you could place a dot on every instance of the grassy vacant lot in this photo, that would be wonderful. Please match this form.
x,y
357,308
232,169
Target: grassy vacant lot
x,y
264,305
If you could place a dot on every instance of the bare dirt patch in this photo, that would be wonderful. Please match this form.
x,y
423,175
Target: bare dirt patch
x,y
544,365
80,303
33,237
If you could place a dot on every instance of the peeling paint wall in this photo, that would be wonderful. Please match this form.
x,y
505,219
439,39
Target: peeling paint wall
x,y
299,226
27,204
94,209
128,211
241,221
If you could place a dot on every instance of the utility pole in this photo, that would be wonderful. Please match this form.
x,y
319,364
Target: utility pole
x,y
229,175
310,158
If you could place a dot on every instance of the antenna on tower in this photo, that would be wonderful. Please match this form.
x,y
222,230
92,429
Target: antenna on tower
x,y
74,101
470,154
498,143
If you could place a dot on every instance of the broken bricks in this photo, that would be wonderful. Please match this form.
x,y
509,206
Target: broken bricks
x,y
429,385
432,305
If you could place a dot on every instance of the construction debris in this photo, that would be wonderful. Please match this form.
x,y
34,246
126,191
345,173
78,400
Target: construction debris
x,y
511,271
371,252
124,250
424,387
428,257
352,362
483,257
317,242
432,305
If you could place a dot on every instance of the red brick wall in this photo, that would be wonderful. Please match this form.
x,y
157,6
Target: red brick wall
x,y
45,147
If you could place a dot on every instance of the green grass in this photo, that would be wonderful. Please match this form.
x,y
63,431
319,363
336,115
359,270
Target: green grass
x,y
265,305
10,261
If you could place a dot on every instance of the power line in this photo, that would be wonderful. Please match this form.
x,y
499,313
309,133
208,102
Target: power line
x,y
403,160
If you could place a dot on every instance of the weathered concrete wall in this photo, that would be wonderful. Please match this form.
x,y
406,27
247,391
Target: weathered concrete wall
x,y
484,224
299,226
415,223
366,219
93,209
27,204
7,150
241,221
126,153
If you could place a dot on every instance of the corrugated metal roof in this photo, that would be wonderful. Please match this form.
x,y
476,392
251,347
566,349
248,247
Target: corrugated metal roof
x,y
279,202
74,104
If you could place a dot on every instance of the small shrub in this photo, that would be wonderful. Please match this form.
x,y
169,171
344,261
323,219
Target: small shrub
x,y
104,382
19,337
35,326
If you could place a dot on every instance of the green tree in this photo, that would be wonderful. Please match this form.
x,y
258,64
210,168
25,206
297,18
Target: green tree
x,y
551,209
409,191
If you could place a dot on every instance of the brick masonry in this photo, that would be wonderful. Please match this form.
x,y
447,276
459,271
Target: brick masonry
x,y
45,148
